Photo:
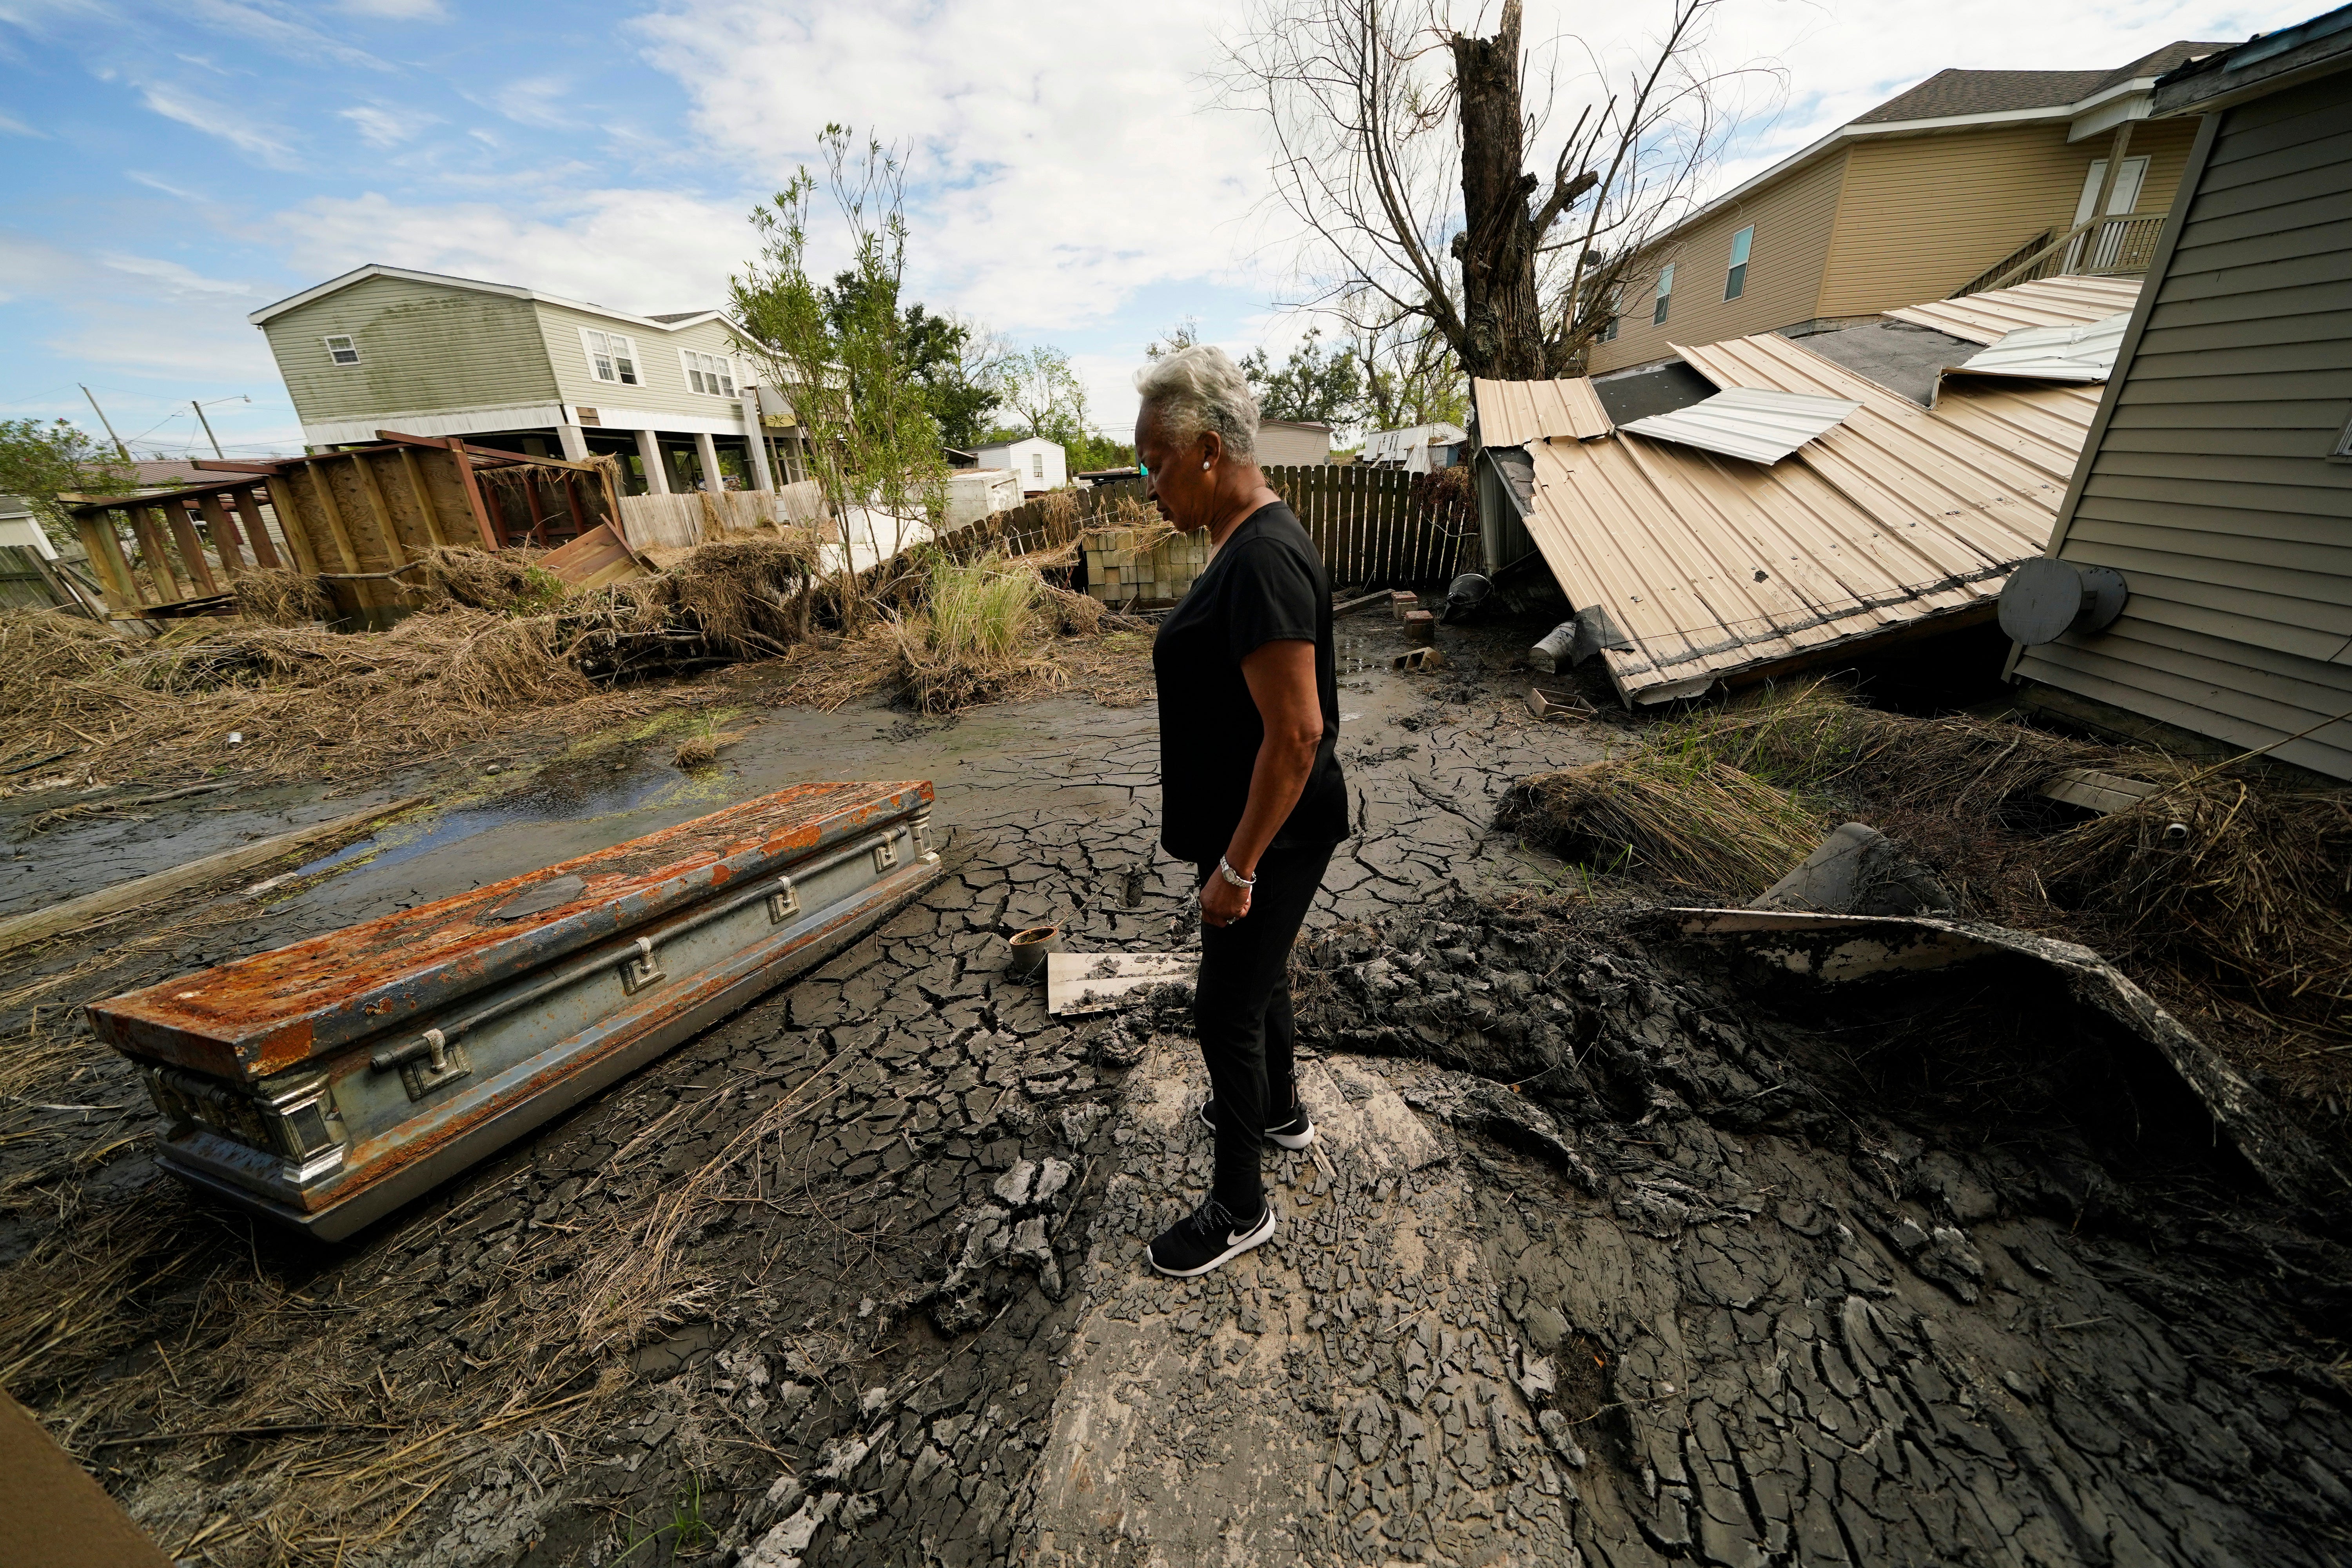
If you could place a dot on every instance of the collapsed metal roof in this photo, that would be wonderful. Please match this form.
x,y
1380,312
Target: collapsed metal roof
x,y
1890,518
1514,412
2054,353
1761,425
2051,303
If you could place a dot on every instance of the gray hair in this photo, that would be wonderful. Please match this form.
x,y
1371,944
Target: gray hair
x,y
1197,389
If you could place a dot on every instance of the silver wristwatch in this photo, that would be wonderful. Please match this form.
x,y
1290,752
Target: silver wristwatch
x,y
1225,869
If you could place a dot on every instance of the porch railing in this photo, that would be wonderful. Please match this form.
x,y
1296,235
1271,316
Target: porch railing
x,y
2096,248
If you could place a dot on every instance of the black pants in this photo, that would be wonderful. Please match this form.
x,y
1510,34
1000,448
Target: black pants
x,y
1242,1011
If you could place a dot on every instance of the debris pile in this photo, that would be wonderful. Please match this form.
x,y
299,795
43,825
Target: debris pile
x,y
501,645
2227,893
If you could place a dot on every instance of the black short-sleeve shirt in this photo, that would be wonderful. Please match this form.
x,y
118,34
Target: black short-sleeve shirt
x,y
1265,584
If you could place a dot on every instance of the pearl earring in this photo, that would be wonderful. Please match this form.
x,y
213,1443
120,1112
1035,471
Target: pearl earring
x,y
1204,468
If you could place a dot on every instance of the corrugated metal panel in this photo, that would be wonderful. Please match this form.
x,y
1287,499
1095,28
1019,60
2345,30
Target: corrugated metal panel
x,y
2053,353
1897,515
2051,303
1711,565
1760,426
1514,412
2211,489
1909,466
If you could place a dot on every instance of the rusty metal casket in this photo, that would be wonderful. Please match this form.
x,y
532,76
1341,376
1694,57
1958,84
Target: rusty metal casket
x,y
325,1084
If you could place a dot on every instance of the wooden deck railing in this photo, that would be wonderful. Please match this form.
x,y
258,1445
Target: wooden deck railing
x,y
2097,247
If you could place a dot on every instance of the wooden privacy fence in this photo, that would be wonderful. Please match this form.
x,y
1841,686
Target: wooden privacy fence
x,y
1378,528
682,521
1384,528
1049,523
361,517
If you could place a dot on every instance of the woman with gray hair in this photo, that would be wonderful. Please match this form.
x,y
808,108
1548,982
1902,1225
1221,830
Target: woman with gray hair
x,y
1249,774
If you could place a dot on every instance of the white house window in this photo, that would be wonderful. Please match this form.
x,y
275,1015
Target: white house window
x,y
1735,282
341,350
1666,293
611,356
713,374
1036,464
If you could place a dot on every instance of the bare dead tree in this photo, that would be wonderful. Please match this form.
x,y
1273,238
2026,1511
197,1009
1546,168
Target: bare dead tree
x,y
1402,146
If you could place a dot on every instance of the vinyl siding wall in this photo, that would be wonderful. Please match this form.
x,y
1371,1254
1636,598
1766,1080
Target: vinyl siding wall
x,y
423,348
2210,488
663,388
1921,216
1792,219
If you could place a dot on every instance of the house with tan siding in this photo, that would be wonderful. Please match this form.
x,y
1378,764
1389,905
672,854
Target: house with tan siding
x,y
1944,188
2217,478
385,348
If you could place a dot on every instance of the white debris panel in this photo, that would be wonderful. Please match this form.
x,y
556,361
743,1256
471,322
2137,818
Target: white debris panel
x,y
1759,424
2053,353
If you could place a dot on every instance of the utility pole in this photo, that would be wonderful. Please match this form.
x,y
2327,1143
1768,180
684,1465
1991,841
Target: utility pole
x,y
102,419
208,424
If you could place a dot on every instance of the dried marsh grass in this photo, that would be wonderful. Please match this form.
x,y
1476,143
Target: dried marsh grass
x,y
297,699
282,598
1675,817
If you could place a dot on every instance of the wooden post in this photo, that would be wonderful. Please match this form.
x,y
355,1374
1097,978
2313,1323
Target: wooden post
x,y
256,532
192,548
580,524
105,552
493,536
395,553
531,521
153,556
226,543
425,507
290,519
325,488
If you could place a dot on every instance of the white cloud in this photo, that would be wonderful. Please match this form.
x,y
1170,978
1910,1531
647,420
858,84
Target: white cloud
x,y
398,10
264,145
280,28
153,184
640,252
172,278
540,101
387,125
139,314
1060,159
16,127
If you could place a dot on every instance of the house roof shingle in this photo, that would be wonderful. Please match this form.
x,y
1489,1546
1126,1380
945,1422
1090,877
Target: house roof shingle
x,y
1953,92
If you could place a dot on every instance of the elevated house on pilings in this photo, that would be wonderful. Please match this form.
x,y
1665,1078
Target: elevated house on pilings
x,y
511,369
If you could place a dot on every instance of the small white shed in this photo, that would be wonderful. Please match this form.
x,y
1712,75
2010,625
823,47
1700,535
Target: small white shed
x,y
976,493
1037,462
1293,441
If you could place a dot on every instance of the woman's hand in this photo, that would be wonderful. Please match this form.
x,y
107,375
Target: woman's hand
x,y
1222,903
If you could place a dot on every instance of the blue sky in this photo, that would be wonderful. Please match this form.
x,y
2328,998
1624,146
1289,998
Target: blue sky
x,y
167,169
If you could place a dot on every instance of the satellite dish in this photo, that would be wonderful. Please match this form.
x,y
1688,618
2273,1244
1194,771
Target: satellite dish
x,y
2045,598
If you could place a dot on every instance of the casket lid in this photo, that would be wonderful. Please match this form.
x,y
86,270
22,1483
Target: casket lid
x,y
272,1012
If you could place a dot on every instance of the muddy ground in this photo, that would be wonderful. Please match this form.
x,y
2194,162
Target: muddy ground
x,y
1611,1251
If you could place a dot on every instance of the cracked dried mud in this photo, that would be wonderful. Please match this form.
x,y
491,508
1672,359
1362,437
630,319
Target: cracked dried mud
x,y
1612,1250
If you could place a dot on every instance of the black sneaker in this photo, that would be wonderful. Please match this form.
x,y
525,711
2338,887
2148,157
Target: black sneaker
x,y
1207,1237
1294,1135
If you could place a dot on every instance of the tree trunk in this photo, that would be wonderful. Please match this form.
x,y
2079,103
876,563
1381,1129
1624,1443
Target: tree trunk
x,y
1502,324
